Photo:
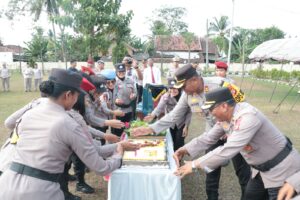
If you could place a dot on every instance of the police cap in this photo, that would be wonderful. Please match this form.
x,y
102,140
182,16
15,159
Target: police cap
x,y
183,74
217,96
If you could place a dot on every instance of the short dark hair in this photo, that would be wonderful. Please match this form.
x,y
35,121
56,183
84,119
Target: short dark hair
x,y
72,61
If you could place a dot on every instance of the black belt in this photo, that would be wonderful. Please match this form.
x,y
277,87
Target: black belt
x,y
33,172
123,105
277,159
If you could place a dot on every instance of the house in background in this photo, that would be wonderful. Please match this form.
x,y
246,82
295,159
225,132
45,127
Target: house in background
x,y
167,47
11,53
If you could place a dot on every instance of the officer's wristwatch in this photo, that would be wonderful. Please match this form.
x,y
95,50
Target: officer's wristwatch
x,y
194,168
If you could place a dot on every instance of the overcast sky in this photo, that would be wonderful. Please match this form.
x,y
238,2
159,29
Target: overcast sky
x,y
284,14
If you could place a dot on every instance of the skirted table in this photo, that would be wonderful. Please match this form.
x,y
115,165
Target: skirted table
x,y
146,183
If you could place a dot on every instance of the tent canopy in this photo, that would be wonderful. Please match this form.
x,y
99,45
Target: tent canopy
x,y
279,49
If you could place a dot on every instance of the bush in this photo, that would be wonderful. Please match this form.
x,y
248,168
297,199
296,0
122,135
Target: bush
x,y
275,74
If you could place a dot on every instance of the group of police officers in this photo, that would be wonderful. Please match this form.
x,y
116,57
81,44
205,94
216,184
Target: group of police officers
x,y
55,130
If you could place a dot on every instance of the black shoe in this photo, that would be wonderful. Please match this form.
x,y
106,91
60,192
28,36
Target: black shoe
x,y
72,177
70,196
85,188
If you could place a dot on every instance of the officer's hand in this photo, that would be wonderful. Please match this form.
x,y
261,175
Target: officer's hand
x,y
118,113
286,192
119,101
140,131
129,146
132,96
111,138
184,170
114,123
149,118
120,149
185,131
178,155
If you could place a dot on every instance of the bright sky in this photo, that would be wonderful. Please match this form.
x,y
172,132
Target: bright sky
x,y
284,14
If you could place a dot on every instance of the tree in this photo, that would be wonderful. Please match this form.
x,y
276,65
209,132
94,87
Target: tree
x,y
37,47
35,7
168,20
118,52
245,40
189,38
99,23
262,35
220,29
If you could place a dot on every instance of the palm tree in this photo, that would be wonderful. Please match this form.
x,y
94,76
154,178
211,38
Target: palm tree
x,y
220,28
36,8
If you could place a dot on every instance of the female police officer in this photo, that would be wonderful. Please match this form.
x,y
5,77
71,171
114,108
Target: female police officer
x,y
48,135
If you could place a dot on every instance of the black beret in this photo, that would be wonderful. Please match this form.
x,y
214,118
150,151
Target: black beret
x,y
120,67
99,82
66,77
217,96
183,74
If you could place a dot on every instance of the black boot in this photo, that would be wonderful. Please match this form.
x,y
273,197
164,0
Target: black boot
x,y
70,196
82,186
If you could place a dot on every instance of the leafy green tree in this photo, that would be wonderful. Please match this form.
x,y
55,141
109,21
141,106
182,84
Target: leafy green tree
x,y
168,20
189,38
118,52
99,23
270,33
37,48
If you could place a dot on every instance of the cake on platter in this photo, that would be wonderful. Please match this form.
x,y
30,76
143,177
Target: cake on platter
x,y
153,151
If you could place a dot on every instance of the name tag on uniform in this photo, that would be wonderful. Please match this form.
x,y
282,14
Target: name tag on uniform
x,y
195,105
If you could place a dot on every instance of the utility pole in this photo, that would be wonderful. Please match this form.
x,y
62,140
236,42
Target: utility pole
x,y
230,38
206,48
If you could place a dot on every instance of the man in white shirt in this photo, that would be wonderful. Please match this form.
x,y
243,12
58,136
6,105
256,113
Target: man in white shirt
x,y
173,68
27,74
151,74
99,67
38,76
5,75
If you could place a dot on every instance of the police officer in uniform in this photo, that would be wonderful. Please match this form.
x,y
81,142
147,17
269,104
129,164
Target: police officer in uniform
x,y
194,87
221,71
125,93
47,137
166,104
269,153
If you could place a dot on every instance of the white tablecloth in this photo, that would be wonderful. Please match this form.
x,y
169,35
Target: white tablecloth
x,y
146,183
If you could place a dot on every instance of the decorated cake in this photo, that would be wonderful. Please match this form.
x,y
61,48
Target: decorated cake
x,y
152,152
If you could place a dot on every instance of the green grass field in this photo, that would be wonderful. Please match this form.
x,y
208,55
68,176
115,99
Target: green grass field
x,y
192,186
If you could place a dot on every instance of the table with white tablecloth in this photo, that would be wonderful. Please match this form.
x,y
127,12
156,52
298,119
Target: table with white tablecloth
x,y
146,183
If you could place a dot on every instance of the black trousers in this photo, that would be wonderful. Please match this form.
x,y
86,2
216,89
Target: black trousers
x,y
256,190
79,169
126,118
103,129
178,140
242,170
140,93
